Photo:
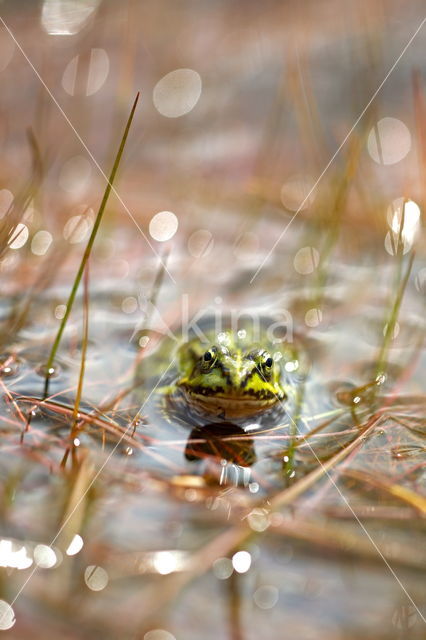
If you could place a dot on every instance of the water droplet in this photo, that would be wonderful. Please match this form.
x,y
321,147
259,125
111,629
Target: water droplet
x,y
345,392
401,452
60,311
53,371
9,365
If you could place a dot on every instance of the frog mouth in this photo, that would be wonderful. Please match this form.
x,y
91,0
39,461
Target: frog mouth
x,y
231,406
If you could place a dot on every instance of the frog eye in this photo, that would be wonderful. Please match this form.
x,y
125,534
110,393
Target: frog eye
x,y
264,363
209,358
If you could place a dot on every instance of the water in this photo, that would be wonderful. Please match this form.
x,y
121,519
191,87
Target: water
x,y
156,477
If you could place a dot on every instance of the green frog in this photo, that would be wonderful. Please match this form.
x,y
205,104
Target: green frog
x,y
231,377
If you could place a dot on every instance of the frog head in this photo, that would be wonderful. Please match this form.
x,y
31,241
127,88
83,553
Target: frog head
x,y
233,383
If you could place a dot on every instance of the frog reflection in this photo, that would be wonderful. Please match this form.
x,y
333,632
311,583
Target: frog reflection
x,y
222,441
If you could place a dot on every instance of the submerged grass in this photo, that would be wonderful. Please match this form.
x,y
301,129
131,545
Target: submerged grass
x,y
86,254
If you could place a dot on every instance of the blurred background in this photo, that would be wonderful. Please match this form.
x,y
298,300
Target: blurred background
x,y
277,162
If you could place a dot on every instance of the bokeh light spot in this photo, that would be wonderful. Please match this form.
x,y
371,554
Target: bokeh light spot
x,y
60,311
66,17
165,562
75,545
75,174
222,568
391,244
95,577
313,317
403,217
258,519
77,228
420,281
44,556
129,304
298,193
241,561
158,634
177,93
247,246
163,226
19,236
143,341
6,199
41,242
395,330
266,596
306,260
96,72
12,554
200,243
7,616
389,141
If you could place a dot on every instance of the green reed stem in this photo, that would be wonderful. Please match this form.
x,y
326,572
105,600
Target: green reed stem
x,y
390,326
84,342
88,249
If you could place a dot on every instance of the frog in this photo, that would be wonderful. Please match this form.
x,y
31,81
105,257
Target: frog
x,y
230,377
